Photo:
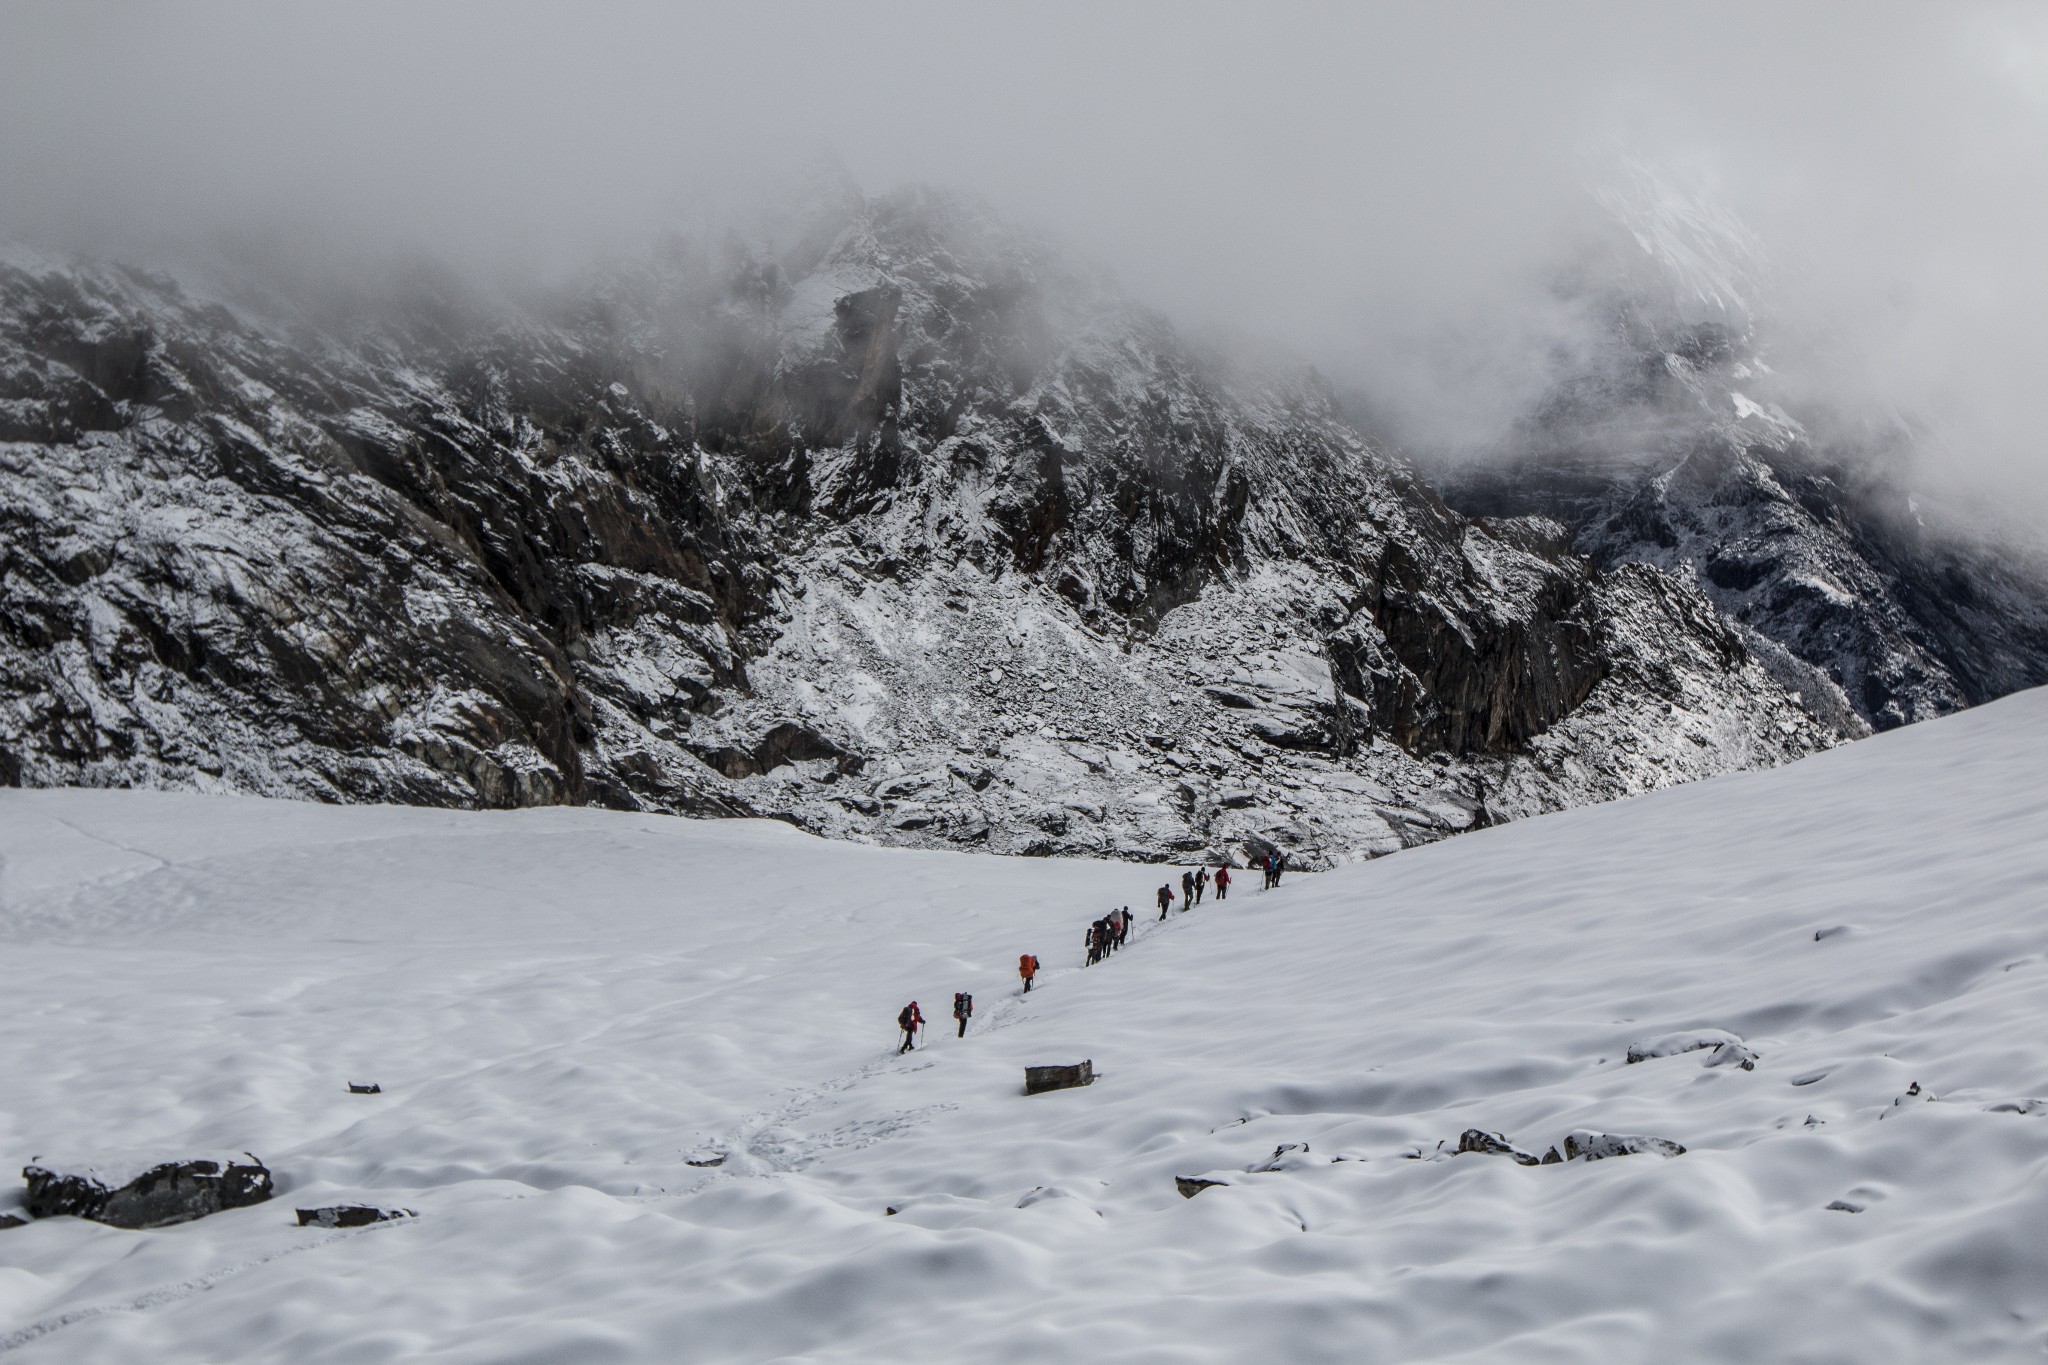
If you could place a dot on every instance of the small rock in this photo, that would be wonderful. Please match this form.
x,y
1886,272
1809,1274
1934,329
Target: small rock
x,y
1190,1186
1844,1206
350,1216
146,1195
8,1220
371,1089
703,1159
1283,1156
1041,1078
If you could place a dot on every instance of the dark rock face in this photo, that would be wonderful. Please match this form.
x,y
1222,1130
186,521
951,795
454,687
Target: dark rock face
x,y
902,527
170,1192
1190,1186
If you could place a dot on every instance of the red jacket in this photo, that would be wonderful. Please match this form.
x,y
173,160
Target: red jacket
x,y
1027,966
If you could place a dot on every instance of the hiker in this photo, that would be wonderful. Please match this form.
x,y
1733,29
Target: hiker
x,y
1201,883
1165,900
1094,943
1222,881
1123,925
910,1021
1187,890
1272,877
1279,866
1027,967
963,1009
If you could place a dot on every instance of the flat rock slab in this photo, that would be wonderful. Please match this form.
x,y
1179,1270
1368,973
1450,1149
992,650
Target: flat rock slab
x,y
146,1194
1191,1185
350,1216
1038,1078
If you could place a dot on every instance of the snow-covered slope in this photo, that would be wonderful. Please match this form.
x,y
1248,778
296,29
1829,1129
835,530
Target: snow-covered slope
x,y
566,1007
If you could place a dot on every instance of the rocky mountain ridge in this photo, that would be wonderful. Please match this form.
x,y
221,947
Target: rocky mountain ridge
x,y
1667,451
897,525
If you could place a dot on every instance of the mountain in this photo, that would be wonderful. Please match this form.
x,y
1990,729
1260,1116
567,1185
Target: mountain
x,y
1661,445
890,521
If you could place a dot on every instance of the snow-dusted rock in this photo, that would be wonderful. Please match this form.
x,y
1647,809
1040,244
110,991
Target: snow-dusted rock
x,y
1586,1145
1727,1049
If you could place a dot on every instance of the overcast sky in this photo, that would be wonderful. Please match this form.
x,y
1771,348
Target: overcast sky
x,y
1359,181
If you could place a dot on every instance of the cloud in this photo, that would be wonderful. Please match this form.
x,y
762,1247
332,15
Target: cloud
x,y
1392,190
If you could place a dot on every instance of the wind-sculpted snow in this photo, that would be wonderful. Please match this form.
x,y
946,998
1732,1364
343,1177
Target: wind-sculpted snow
x,y
904,529
639,1084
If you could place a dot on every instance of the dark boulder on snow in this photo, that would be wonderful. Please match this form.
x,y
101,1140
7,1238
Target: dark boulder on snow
x,y
8,1220
1041,1078
146,1194
1493,1144
1590,1146
350,1216
1191,1185
371,1089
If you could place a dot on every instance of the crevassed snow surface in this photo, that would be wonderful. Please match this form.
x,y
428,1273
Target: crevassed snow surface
x,y
565,1007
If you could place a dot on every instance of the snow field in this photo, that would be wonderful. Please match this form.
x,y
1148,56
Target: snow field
x,y
565,1007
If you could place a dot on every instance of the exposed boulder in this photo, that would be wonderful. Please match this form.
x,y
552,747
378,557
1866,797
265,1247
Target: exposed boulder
x,y
1493,1144
1192,1185
146,1195
1041,1078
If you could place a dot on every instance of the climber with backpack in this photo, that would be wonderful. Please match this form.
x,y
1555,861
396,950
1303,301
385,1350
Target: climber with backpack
x,y
1027,967
1222,881
1201,883
963,1009
1165,900
910,1020
1187,890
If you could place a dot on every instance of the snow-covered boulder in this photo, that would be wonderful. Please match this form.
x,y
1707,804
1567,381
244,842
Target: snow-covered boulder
x,y
1586,1145
1727,1049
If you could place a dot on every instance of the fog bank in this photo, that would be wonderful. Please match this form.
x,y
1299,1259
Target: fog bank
x,y
1400,193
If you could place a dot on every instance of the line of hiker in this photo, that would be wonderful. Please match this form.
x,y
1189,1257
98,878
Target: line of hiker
x,y
1276,863
1108,934
1104,937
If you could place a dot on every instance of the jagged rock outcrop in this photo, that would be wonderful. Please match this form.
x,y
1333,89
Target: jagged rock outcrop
x,y
902,527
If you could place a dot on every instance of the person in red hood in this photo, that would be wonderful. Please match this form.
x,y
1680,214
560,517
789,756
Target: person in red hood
x,y
910,1020
1027,967
1222,882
